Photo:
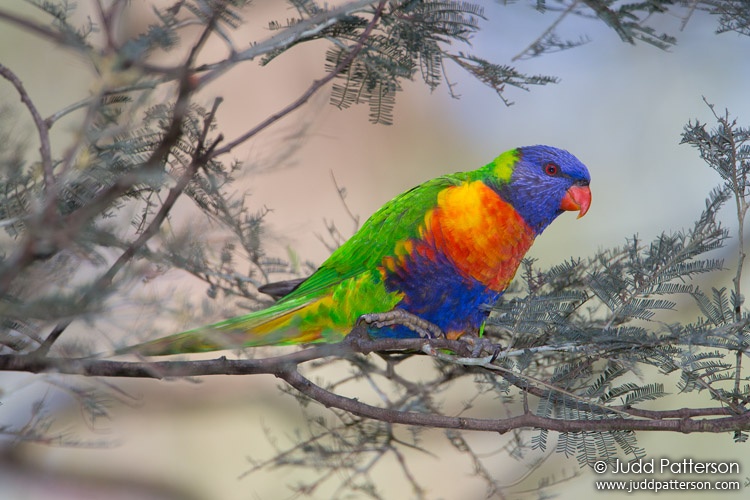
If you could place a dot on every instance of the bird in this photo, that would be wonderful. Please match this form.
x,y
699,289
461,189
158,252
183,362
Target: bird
x,y
442,251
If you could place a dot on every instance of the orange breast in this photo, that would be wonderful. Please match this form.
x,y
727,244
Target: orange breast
x,y
479,232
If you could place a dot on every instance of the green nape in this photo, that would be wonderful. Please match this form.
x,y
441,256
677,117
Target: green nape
x,y
503,166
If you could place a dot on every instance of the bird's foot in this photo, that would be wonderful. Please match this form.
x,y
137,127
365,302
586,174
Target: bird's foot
x,y
481,345
414,323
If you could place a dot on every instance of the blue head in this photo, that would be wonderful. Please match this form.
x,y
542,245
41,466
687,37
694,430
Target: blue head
x,y
541,182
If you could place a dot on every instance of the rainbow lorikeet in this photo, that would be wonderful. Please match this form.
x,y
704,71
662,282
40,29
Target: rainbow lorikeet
x,y
439,251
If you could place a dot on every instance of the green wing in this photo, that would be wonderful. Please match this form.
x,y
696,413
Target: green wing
x,y
324,306
397,220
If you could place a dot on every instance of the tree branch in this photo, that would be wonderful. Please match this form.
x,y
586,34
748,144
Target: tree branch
x,y
27,24
527,420
286,366
293,34
316,85
43,132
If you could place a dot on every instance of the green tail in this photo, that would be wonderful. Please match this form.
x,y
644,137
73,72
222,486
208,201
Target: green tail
x,y
284,323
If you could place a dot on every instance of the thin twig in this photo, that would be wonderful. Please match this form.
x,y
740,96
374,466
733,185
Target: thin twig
x,y
200,157
31,249
43,131
316,85
39,29
739,183
317,393
301,30
690,12
546,32
54,117
342,196
105,280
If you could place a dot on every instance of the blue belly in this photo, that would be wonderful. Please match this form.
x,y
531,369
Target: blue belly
x,y
435,290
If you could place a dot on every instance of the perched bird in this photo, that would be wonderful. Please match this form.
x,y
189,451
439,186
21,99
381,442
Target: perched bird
x,y
439,251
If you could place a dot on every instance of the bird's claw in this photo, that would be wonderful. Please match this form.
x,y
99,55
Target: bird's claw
x,y
475,345
424,328
479,345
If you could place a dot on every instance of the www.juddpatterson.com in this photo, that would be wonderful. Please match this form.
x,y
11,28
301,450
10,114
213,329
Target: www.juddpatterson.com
x,y
667,466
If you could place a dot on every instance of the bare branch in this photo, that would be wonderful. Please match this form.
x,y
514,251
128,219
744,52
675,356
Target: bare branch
x,y
51,35
43,132
285,367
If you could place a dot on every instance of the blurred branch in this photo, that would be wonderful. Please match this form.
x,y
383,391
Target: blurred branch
x,y
28,24
316,85
291,35
201,156
89,101
199,160
43,132
550,29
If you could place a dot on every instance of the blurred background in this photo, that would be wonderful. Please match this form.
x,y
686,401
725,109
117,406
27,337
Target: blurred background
x,y
619,108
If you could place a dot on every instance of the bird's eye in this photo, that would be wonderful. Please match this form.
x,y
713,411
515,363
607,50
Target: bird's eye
x,y
551,169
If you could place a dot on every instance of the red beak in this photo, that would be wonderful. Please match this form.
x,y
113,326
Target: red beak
x,y
577,198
